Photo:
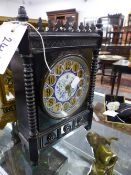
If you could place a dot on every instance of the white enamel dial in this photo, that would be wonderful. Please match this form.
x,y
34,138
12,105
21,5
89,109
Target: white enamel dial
x,y
65,88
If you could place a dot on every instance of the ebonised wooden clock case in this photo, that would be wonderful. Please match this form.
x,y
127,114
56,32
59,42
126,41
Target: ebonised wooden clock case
x,y
37,127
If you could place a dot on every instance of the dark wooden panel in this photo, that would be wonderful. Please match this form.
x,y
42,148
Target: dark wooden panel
x,y
118,50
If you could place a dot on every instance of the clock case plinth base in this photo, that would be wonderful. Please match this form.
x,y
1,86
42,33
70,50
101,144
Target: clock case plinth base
x,y
37,130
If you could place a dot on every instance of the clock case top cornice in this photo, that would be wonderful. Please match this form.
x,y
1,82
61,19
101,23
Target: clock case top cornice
x,y
59,40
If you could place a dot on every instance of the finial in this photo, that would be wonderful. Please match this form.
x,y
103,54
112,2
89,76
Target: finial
x,y
74,27
39,24
99,30
87,27
81,27
93,27
22,15
50,26
58,27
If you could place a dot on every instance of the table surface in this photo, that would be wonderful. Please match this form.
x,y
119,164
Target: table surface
x,y
122,66
104,53
75,147
111,57
118,68
122,63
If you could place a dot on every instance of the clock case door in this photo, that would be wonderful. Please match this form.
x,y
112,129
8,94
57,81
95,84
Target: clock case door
x,y
37,129
45,121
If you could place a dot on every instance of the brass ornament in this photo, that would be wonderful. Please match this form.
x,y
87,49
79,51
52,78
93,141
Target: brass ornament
x,y
7,99
104,159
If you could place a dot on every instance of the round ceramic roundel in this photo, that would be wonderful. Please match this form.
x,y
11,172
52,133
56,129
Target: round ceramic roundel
x,y
66,87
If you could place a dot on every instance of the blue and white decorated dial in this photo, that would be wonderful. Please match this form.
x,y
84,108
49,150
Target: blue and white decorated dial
x,y
65,89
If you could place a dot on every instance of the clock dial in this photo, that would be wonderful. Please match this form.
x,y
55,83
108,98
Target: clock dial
x,y
76,67
66,87
51,102
48,92
81,83
80,73
51,79
57,107
79,92
67,65
58,69
73,100
66,106
63,90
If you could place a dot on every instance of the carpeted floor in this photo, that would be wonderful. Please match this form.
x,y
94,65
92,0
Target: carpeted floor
x,y
105,87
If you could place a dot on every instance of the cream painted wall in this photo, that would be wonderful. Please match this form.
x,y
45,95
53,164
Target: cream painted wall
x,y
86,8
10,7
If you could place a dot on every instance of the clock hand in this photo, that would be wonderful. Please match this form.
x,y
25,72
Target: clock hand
x,y
72,85
68,88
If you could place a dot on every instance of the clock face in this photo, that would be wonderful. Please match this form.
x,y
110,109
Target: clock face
x,y
65,88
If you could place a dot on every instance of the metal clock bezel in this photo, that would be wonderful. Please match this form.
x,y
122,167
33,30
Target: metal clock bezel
x,y
45,77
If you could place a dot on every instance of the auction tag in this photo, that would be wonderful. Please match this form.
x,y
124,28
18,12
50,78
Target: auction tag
x,y
2,171
10,37
75,82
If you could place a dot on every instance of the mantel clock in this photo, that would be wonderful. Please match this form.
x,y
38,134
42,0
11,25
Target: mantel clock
x,y
50,104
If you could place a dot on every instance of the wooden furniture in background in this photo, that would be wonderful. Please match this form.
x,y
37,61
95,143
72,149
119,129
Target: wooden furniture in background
x,y
118,33
123,50
119,37
63,15
129,20
106,62
114,38
116,20
126,38
118,68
